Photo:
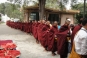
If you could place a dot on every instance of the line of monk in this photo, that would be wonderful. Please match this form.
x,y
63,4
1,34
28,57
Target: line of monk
x,y
48,35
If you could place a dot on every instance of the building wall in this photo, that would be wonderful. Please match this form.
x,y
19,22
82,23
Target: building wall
x,y
65,16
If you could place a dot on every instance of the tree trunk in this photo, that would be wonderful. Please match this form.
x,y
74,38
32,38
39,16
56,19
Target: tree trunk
x,y
84,8
41,9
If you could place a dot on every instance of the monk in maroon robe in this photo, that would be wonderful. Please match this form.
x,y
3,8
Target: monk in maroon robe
x,y
52,38
39,30
25,26
45,30
30,27
33,24
22,26
75,30
36,31
62,45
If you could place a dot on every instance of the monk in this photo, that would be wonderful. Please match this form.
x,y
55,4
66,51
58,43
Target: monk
x,y
22,26
35,28
28,27
31,27
33,23
39,29
75,30
52,41
36,32
45,30
63,35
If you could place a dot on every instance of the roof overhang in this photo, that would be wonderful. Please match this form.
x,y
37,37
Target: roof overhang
x,y
52,10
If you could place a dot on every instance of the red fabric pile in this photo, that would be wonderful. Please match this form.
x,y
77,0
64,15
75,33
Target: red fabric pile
x,y
8,49
7,46
11,46
13,53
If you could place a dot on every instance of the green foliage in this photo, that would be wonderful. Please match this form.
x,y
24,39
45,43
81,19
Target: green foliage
x,y
55,4
2,8
59,4
0,18
80,7
52,4
15,1
12,10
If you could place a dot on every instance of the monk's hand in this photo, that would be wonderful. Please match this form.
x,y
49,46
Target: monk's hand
x,y
55,36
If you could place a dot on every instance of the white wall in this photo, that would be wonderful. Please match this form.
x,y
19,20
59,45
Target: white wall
x,y
64,16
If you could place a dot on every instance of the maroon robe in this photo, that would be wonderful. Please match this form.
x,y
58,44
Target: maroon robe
x,y
18,25
51,38
76,29
39,31
35,30
62,45
22,26
44,39
31,27
36,33
27,28
33,24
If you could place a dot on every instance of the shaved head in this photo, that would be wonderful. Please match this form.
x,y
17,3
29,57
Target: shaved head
x,y
35,21
67,22
43,21
48,22
55,23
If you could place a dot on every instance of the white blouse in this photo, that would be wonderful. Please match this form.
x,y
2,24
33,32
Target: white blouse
x,y
80,42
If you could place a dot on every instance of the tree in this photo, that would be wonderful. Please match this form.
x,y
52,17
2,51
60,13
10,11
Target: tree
x,y
41,8
52,4
8,9
2,8
15,1
12,10
80,7
55,4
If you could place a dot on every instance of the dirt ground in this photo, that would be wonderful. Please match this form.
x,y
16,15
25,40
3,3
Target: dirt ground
x,y
25,43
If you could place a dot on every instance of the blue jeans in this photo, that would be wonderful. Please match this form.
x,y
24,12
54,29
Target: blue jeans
x,y
69,47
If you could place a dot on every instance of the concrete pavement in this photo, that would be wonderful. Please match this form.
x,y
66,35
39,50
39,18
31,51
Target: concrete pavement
x,y
25,43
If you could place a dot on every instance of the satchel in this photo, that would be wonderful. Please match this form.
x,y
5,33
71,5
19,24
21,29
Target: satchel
x,y
74,54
